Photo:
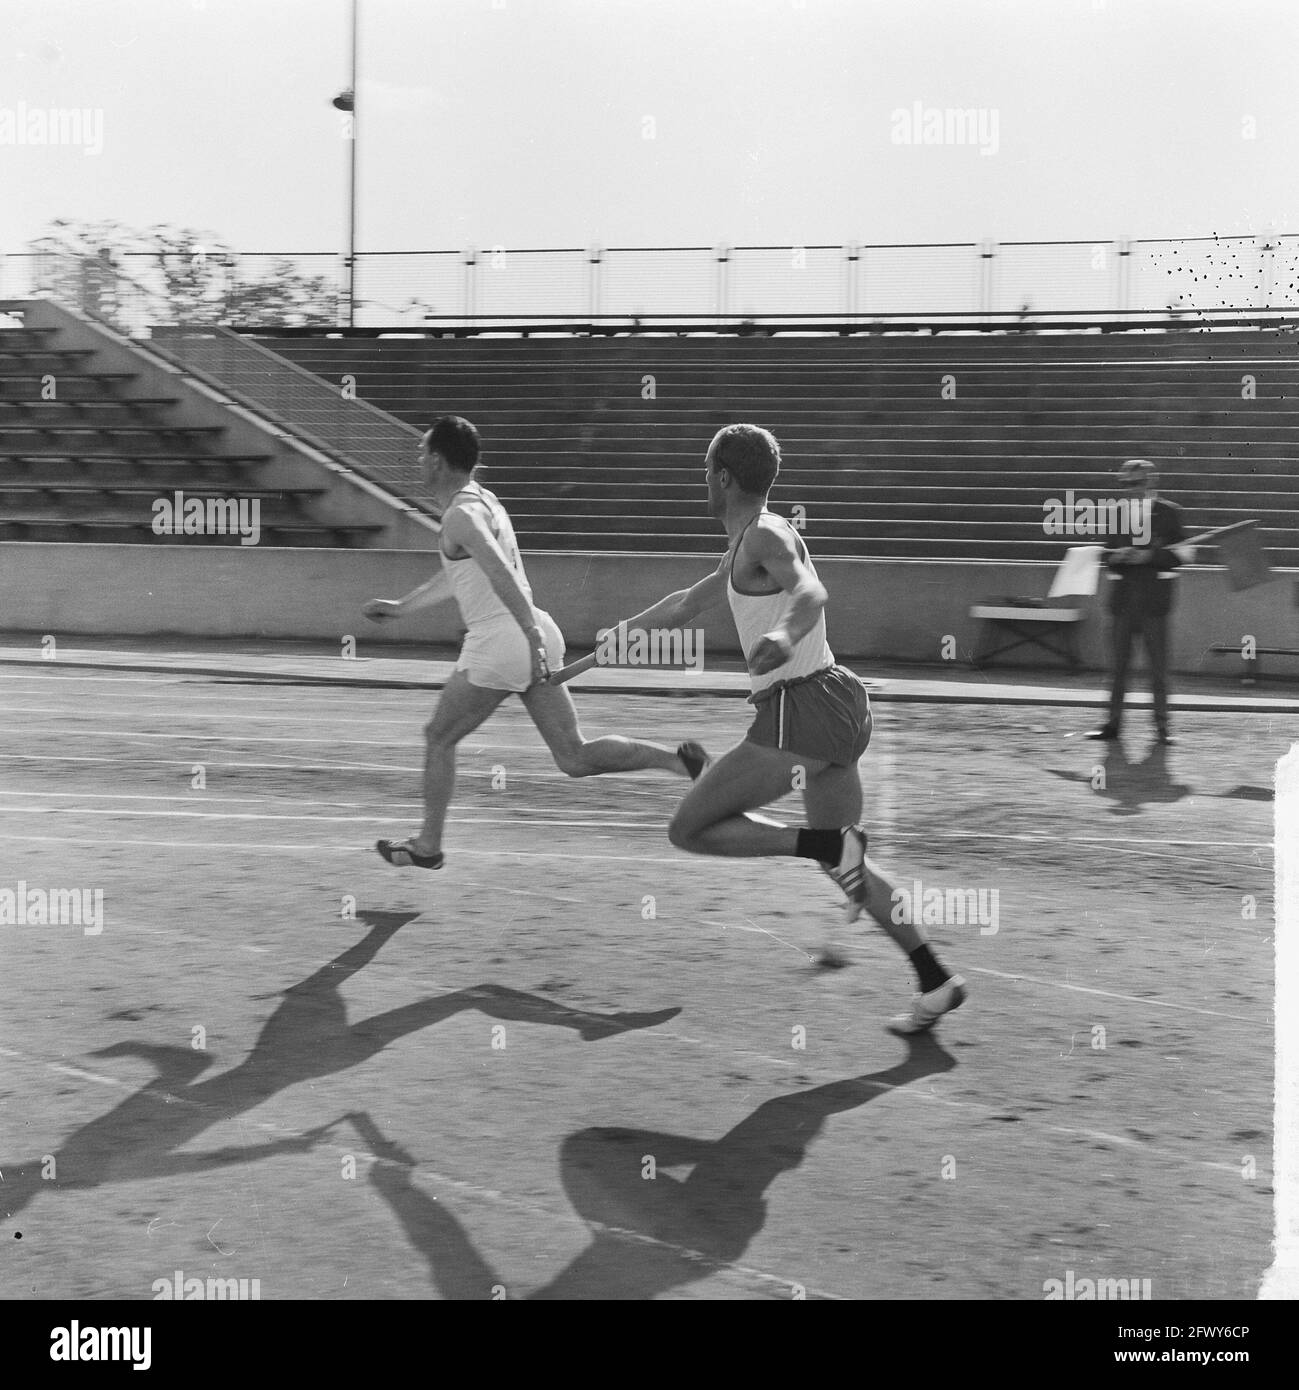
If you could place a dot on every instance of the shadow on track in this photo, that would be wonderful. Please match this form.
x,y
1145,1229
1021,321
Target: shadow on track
x,y
647,1235
1132,785
307,1036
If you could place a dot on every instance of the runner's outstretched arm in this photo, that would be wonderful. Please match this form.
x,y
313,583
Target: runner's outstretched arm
x,y
679,607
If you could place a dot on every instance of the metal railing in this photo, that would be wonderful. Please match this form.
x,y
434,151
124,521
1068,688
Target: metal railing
x,y
329,418
1186,277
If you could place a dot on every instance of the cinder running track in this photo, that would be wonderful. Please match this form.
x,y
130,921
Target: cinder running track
x,y
577,1063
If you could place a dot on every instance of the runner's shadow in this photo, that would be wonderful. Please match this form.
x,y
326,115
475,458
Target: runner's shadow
x,y
649,1235
306,1037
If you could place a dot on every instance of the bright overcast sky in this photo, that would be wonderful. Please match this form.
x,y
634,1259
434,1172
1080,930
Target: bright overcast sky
x,y
524,122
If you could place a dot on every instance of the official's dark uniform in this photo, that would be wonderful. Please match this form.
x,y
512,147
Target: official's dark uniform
x,y
1140,598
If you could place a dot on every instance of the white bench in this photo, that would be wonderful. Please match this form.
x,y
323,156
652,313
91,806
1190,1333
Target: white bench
x,y
1053,629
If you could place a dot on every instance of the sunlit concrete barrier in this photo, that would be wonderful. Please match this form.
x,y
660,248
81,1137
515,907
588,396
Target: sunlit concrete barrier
x,y
898,610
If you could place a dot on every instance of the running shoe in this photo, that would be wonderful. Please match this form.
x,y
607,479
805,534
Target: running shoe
x,y
695,757
404,854
927,1009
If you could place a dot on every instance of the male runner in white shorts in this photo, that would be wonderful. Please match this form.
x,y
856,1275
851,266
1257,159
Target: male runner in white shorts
x,y
812,715
509,647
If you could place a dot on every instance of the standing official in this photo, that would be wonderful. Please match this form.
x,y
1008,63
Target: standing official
x,y
1141,565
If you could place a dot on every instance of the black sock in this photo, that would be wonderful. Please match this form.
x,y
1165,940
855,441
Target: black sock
x,y
927,969
825,845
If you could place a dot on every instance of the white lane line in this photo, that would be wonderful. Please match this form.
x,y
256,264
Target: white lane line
x,y
78,1072
382,808
121,761
590,858
545,897
143,736
1129,998
374,819
219,715
287,798
651,817
139,736
1196,859
332,847
410,725
193,688
1037,838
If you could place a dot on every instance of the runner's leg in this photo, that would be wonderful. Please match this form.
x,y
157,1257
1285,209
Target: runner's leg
x,y
711,820
833,800
461,708
555,715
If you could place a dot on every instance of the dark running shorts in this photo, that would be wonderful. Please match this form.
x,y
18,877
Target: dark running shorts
x,y
826,715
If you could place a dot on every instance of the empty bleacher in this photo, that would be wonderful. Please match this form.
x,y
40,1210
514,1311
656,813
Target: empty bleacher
x,y
85,454
598,443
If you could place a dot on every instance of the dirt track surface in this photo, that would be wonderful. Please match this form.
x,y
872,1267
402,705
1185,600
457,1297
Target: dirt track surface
x,y
502,1051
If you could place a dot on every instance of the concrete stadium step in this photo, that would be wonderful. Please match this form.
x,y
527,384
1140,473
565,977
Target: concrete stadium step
x,y
852,404
596,511
868,494
86,412
850,472
862,547
933,526
848,466
799,442
170,472
93,461
36,526
871,451
1158,345
48,358
804,375
809,375
975,456
26,385
60,437
493,421
26,339
124,495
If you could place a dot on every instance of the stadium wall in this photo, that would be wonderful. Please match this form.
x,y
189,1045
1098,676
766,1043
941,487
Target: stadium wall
x,y
895,610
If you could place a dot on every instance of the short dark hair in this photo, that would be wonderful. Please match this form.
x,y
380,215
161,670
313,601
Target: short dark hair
x,y
456,440
750,455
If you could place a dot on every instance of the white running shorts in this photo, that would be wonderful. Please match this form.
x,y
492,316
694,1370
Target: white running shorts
x,y
496,655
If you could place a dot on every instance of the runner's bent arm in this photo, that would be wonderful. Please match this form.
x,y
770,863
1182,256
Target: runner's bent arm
x,y
776,553
427,595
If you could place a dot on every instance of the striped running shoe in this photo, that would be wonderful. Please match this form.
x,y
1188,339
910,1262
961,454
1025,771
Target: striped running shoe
x,y
850,873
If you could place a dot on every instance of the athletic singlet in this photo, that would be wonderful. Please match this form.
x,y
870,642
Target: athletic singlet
x,y
477,600
756,614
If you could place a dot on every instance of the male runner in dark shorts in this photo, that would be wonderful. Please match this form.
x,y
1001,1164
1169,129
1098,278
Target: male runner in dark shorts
x,y
813,714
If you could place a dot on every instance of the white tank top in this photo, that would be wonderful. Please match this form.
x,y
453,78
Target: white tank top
x,y
756,614
477,600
